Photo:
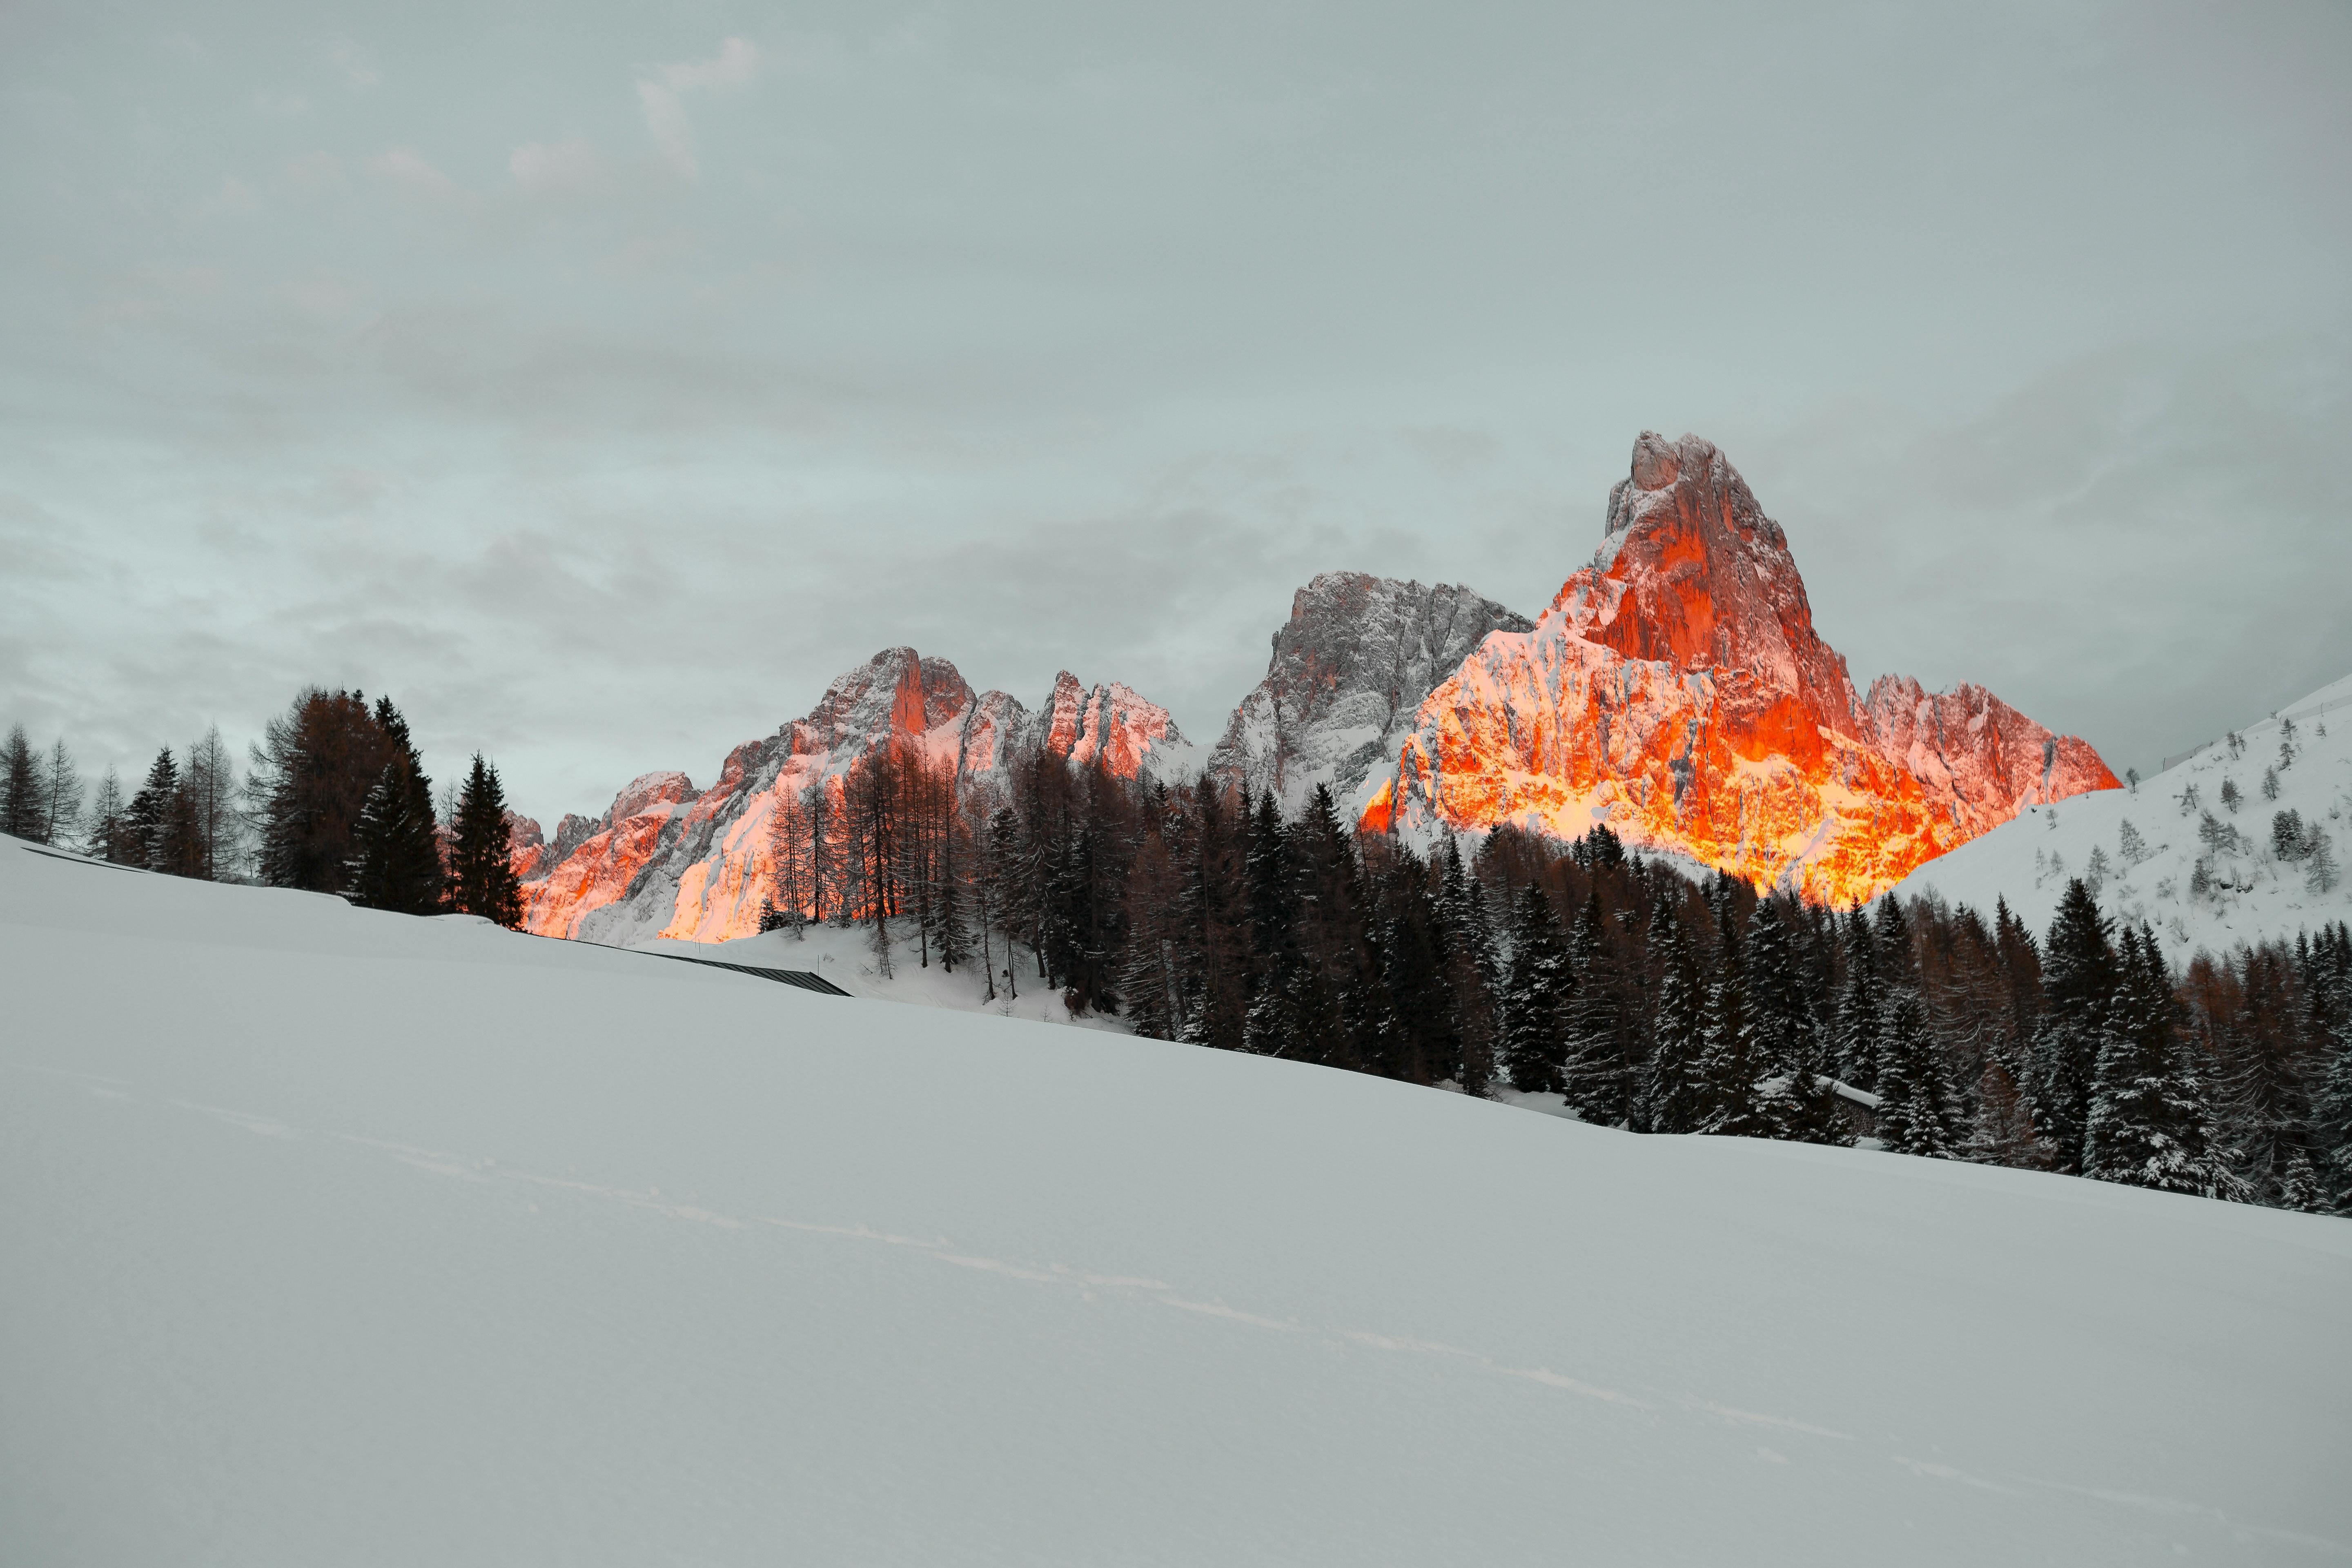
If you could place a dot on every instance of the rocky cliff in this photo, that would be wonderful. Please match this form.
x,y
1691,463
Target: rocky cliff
x,y
1676,690
1350,669
667,859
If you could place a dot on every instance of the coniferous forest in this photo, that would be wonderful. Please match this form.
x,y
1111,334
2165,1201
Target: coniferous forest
x,y
334,800
1642,997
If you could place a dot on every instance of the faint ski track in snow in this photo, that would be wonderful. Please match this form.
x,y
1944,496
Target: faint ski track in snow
x,y
1751,1418
2245,1532
1930,1470
1219,1309
455,1167
1542,1374
263,1126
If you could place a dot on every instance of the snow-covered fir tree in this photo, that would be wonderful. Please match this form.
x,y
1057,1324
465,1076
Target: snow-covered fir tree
x,y
1536,989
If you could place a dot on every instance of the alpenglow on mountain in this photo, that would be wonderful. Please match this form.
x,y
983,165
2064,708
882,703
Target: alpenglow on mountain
x,y
1676,690
667,859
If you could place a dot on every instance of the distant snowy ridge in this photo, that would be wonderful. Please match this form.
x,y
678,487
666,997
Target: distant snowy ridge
x,y
669,860
2244,842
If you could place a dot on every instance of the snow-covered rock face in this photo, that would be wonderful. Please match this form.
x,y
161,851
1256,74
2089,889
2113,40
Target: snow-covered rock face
x,y
669,860
1349,670
1676,690
2197,853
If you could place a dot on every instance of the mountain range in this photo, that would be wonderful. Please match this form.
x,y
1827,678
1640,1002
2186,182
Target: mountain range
x,y
1674,689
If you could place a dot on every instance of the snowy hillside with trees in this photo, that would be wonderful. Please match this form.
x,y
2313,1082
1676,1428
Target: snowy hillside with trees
x,y
336,1235
2246,841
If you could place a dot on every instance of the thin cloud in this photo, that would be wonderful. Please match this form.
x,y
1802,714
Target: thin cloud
x,y
408,169
661,92
554,168
358,69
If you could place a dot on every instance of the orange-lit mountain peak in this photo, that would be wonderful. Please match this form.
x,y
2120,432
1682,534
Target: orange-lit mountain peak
x,y
670,860
1677,691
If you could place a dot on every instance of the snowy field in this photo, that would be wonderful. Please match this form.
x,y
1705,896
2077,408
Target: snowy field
x,y
2248,892
340,1238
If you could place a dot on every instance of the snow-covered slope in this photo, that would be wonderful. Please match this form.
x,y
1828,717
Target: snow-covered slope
x,y
1349,673
337,1237
843,955
1676,690
2255,884
668,860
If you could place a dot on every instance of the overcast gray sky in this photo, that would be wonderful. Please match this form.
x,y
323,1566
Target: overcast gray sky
x,y
600,380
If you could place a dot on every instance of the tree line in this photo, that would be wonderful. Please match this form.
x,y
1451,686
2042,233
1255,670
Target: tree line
x,y
1644,999
335,799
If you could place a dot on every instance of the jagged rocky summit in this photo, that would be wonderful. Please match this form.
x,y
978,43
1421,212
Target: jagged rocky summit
x,y
1676,690
1350,669
667,859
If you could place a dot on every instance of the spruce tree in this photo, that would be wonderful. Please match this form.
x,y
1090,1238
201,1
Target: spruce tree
x,y
159,824
1414,964
1000,864
1473,971
1733,1066
110,823
395,844
1799,1104
2332,1115
1536,989
482,879
20,788
1859,1004
2149,1125
2078,982
1918,1113
1674,1098
1598,1075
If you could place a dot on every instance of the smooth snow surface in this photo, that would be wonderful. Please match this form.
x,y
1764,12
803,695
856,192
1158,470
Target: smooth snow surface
x,y
2250,894
340,1238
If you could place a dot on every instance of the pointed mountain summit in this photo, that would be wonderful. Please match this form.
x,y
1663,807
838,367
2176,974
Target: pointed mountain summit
x,y
1676,690
1349,670
667,859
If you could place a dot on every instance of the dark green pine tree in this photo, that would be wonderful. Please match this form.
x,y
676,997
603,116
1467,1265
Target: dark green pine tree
x,y
2331,1116
2078,985
950,925
1917,1111
1861,1002
1214,920
1733,1066
143,818
20,789
1272,1025
1473,971
1537,987
162,821
395,844
1798,1104
2149,1125
1674,1098
1414,961
1598,1077
481,871
1348,1022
